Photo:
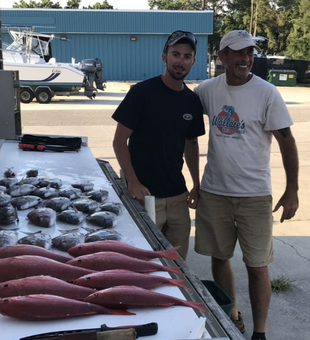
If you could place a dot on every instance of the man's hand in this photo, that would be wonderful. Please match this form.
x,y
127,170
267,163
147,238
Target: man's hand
x,y
138,191
192,199
289,202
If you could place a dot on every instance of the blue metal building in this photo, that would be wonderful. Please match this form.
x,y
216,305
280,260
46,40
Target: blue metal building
x,y
129,43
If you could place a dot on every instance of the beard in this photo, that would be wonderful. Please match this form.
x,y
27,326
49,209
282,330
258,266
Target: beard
x,y
176,74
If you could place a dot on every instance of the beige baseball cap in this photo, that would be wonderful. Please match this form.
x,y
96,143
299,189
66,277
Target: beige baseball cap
x,y
237,40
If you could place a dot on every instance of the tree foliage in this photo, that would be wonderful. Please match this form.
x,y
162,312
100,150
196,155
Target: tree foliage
x,y
34,4
103,5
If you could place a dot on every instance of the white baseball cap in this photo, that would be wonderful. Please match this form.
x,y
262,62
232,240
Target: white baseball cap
x,y
237,40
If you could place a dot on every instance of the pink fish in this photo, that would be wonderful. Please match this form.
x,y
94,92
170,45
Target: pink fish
x,y
136,297
43,285
120,277
124,248
27,249
40,307
109,260
17,267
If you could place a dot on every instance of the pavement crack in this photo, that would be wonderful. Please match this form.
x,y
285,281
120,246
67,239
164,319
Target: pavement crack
x,y
296,251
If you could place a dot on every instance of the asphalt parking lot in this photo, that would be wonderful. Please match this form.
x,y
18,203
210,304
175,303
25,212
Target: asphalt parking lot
x,y
289,311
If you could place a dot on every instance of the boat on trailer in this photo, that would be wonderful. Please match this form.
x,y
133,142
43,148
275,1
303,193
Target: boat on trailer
x,y
40,75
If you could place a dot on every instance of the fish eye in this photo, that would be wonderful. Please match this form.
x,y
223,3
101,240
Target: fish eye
x,y
6,300
88,278
6,285
79,260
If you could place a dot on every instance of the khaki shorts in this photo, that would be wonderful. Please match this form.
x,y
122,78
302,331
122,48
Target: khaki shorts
x,y
222,220
172,218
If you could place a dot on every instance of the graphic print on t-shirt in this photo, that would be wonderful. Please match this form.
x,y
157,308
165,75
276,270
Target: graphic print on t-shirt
x,y
228,121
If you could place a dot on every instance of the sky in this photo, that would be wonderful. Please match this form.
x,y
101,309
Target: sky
x,y
117,4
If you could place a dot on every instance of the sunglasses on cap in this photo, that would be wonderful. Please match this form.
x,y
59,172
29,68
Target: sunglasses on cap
x,y
178,35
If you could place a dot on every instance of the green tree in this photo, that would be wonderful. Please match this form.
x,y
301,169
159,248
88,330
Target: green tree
x,y
75,4
34,4
176,5
103,5
298,45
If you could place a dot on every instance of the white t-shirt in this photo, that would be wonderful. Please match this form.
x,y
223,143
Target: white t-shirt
x,y
241,120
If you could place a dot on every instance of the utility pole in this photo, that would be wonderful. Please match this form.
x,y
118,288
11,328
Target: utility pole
x,y
203,5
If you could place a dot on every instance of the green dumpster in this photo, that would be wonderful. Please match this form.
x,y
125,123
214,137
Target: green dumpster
x,y
282,77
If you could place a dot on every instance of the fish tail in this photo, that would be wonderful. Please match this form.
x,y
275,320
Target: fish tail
x,y
195,305
120,312
172,269
179,283
171,254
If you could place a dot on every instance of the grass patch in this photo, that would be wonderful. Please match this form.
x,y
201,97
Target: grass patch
x,y
281,284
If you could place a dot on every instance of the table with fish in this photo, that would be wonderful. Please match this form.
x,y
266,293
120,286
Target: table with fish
x,y
73,254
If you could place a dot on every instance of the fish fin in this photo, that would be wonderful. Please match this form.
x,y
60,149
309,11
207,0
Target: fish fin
x,y
171,254
179,283
172,269
195,305
120,312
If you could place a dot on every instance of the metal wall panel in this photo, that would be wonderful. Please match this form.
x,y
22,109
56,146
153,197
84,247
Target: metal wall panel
x,y
106,35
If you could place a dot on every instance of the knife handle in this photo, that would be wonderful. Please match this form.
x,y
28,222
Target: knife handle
x,y
142,330
120,334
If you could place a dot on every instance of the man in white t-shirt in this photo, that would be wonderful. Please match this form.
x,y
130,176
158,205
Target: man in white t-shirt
x,y
235,201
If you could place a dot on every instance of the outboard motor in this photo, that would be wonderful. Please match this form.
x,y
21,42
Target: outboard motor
x,y
92,68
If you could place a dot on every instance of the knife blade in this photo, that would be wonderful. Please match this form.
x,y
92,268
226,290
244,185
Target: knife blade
x,y
79,334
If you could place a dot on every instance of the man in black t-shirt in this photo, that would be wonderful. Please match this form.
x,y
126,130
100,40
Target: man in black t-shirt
x,y
162,119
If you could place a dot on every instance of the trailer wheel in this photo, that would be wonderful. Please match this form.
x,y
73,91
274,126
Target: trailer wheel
x,y
43,96
26,95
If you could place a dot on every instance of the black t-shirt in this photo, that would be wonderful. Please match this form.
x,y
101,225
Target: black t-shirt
x,y
161,120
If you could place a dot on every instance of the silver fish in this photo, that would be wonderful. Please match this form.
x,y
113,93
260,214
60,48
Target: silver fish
x,y
102,235
113,207
53,183
37,239
32,173
43,217
68,239
45,192
8,182
8,238
84,186
70,193
98,195
25,202
21,190
85,204
104,219
71,216
2,188
31,180
8,215
4,199
58,203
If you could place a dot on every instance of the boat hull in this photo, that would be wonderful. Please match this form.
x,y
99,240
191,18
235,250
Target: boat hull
x,y
56,77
